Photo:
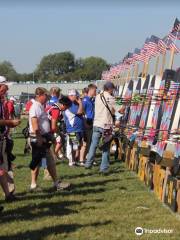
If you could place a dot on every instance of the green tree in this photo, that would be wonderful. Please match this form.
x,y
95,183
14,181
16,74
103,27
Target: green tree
x,y
90,68
7,70
53,66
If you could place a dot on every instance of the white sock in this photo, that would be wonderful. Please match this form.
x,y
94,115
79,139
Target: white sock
x,y
33,185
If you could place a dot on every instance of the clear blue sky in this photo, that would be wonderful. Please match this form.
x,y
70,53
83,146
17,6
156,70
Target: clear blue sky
x,y
109,29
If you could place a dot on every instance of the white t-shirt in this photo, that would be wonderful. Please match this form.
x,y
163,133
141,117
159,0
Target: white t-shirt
x,y
103,117
37,110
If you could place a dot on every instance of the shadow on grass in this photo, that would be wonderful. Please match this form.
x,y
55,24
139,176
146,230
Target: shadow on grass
x,y
32,211
22,155
81,175
130,178
96,183
40,234
23,196
20,166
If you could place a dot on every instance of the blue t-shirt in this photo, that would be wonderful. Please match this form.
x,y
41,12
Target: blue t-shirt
x,y
53,100
74,122
88,105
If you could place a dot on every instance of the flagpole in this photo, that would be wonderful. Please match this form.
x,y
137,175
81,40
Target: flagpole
x,y
127,76
124,76
171,58
163,63
156,65
136,71
144,68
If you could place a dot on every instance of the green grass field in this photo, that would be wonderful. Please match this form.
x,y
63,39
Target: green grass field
x,y
97,207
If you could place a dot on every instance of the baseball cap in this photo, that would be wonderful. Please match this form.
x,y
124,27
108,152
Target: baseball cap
x,y
12,99
3,80
109,85
73,92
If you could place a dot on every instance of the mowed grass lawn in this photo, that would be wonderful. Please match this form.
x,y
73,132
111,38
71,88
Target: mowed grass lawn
x,y
97,207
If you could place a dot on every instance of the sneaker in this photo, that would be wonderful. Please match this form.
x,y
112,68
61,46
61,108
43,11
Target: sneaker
x,y
11,198
73,164
81,164
60,156
11,187
62,186
95,163
11,184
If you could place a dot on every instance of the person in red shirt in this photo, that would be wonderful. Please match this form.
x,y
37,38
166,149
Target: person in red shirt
x,y
10,107
5,124
55,117
28,105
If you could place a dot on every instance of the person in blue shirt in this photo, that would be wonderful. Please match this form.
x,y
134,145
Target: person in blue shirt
x,y
55,93
74,121
89,106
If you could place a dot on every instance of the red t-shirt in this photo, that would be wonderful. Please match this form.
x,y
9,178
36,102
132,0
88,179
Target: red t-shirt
x,y
54,112
10,107
28,105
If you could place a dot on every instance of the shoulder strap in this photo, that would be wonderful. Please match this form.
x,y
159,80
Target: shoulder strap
x,y
54,106
103,99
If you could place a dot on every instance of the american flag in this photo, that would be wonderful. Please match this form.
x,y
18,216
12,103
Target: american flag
x,y
105,75
145,55
176,27
174,35
128,59
138,55
162,45
170,44
152,46
146,44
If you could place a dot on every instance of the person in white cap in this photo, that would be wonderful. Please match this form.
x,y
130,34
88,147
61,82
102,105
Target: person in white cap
x,y
74,121
10,107
5,124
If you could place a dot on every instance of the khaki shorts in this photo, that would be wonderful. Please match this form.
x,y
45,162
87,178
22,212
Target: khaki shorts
x,y
3,155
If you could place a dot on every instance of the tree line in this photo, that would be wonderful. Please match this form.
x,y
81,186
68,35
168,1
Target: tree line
x,y
57,67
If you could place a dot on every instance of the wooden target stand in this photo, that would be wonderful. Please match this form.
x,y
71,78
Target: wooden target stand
x,y
131,157
172,193
157,176
167,187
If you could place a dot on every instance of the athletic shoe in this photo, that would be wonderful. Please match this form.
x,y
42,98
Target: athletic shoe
x,y
72,164
11,198
81,164
62,186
